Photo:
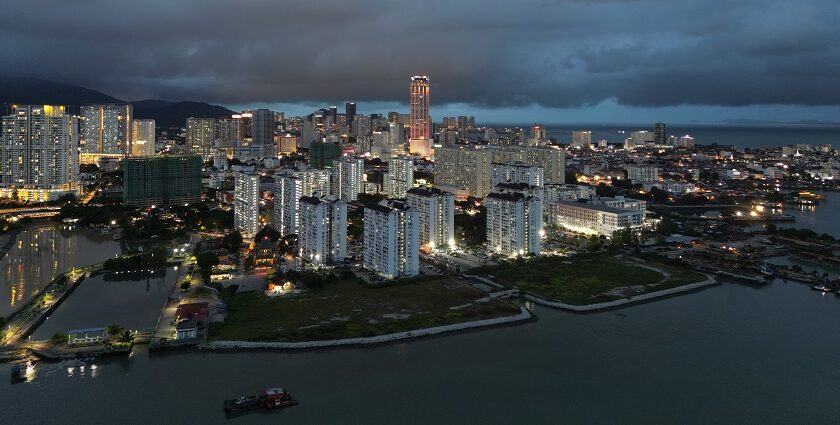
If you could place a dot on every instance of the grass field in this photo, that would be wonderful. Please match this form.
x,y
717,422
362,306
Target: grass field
x,y
588,279
347,309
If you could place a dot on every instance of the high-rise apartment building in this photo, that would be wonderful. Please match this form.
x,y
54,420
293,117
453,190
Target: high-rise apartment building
x,y
348,178
581,139
660,137
227,133
552,159
516,172
464,167
246,204
161,180
143,137
323,230
391,240
400,176
289,187
201,135
38,153
514,223
436,209
106,130
420,120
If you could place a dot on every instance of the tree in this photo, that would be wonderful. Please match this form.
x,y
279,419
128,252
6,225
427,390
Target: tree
x,y
59,337
126,337
232,241
268,232
114,330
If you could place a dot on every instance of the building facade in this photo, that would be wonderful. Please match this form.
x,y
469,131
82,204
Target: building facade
x,y
38,153
143,137
246,204
289,187
419,119
201,135
516,172
400,176
514,224
348,178
594,218
391,240
161,180
436,209
323,230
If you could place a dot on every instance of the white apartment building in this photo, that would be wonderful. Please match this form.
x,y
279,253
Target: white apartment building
x,y
514,223
322,235
246,204
391,239
400,176
348,178
437,216
201,135
289,187
516,172
637,173
39,158
623,203
469,167
594,218
567,192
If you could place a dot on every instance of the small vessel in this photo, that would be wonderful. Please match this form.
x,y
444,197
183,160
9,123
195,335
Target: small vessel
x,y
767,270
268,398
821,287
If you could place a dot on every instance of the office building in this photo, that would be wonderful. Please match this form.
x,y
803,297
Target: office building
x,y
246,204
581,139
514,223
143,137
400,176
391,240
348,178
516,172
350,112
289,187
38,153
419,118
286,144
262,131
201,136
161,180
323,230
436,209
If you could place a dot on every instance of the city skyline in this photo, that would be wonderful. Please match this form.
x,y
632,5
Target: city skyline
x,y
570,61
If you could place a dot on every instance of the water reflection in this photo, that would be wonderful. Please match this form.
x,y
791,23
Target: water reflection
x,y
43,251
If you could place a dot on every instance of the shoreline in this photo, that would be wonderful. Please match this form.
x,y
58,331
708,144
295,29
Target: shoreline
x,y
524,315
636,299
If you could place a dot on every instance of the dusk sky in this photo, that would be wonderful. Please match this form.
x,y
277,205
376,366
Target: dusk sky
x,y
592,61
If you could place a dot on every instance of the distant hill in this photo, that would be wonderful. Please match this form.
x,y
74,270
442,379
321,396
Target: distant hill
x,y
35,91
175,114
165,113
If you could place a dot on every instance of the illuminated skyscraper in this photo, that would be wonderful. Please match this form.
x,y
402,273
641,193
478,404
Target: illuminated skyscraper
x,y
38,153
419,119
106,129
246,204
143,135
201,135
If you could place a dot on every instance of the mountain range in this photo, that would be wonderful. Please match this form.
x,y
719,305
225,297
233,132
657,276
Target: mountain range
x,y
165,113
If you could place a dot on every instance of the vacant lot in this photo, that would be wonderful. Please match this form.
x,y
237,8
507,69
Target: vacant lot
x,y
347,309
588,279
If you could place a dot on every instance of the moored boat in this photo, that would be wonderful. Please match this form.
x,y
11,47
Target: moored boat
x,y
269,398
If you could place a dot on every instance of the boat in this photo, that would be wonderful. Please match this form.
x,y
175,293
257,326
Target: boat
x,y
268,398
767,269
822,287
242,404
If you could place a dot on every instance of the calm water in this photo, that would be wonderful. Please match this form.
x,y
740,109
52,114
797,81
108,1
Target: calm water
x,y
741,136
729,354
824,218
132,304
43,251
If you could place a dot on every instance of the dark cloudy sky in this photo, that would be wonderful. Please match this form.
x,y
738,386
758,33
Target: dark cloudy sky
x,y
541,60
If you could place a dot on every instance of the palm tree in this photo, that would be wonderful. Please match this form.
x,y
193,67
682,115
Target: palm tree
x,y
114,330
126,337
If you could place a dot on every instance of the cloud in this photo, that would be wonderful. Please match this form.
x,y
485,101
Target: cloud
x,y
562,54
